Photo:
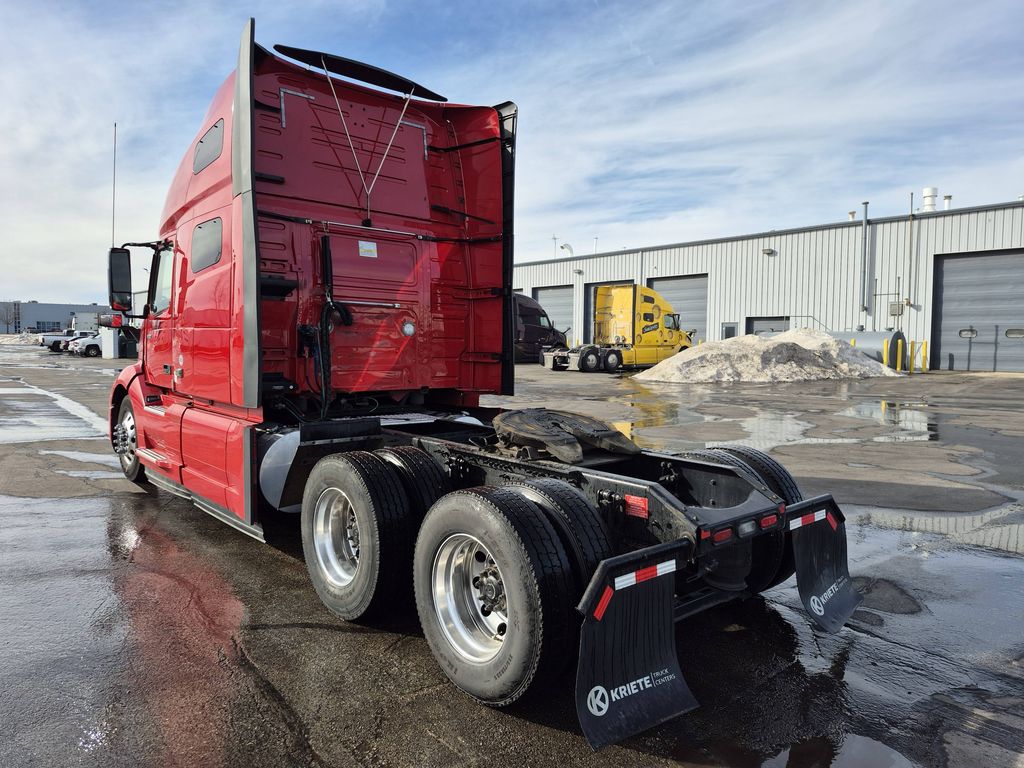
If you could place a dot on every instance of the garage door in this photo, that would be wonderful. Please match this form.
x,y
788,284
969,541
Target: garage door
x,y
557,302
689,297
978,315
589,294
767,324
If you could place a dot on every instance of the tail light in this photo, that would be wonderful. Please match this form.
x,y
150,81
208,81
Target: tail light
x,y
723,535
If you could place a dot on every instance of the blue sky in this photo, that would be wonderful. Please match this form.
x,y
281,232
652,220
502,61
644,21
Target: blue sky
x,y
640,123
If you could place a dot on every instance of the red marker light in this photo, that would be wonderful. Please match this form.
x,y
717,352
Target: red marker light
x,y
636,506
723,535
769,520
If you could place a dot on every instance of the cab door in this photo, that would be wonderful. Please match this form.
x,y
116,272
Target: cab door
x,y
157,350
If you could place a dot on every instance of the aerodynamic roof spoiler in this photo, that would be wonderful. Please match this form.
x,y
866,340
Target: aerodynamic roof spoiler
x,y
357,70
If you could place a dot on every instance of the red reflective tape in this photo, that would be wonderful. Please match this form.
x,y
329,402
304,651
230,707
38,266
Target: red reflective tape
x,y
602,604
636,506
831,520
807,519
646,573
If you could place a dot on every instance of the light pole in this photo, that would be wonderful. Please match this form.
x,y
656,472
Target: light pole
x,y
568,249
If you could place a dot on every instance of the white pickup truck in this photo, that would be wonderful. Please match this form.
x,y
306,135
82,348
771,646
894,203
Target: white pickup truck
x,y
54,340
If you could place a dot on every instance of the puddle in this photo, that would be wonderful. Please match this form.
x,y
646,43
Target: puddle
x,y
854,752
32,419
87,474
107,460
1000,529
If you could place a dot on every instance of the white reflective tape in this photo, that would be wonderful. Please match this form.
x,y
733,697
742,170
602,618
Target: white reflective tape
x,y
629,579
621,582
799,521
667,567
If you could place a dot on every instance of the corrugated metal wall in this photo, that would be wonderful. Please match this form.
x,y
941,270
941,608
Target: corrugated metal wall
x,y
812,275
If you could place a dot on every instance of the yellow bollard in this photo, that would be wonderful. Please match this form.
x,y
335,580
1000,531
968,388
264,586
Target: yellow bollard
x,y
924,356
885,352
913,351
899,355
853,342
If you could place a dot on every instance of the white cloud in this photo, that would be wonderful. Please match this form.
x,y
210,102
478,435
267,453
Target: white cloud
x,y
641,124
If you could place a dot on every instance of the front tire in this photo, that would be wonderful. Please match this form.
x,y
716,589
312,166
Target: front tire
x,y
130,465
357,534
493,592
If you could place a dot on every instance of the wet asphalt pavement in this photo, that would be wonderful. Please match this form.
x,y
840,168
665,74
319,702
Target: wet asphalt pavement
x,y
138,631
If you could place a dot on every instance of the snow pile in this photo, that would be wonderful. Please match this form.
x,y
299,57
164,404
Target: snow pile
x,y
19,338
801,354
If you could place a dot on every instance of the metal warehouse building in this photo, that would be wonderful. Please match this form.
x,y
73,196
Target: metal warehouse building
x,y
953,278
49,317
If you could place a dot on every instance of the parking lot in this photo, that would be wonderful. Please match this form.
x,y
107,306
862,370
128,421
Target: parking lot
x,y
138,630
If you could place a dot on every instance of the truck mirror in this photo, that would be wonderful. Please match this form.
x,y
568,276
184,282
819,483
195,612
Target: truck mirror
x,y
119,275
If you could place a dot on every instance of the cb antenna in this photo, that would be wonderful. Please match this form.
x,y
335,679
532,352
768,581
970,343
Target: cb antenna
x,y
113,191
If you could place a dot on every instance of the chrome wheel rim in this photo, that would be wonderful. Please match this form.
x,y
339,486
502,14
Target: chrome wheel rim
x,y
336,537
131,433
469,598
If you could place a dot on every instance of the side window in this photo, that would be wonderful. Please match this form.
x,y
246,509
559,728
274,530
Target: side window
x,y
209,147
162,286
672,322
544,322
206,245
648,317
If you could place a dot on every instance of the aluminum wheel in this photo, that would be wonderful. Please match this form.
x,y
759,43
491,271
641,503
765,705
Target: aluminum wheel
x,y
469,597
131,435
336,537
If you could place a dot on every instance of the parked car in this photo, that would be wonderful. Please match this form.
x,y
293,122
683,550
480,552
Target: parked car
x,y
86,346
55,340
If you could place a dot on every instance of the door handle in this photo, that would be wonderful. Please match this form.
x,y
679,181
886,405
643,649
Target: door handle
x,y
167,368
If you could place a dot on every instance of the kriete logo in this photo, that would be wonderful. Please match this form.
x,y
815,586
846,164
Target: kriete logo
x,y
599,699
818,603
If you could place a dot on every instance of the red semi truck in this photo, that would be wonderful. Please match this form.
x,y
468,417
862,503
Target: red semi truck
x,y
329,296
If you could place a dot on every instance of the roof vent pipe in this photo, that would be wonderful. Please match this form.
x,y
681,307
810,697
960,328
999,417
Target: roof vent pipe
x,y
947,202
852,215
930,194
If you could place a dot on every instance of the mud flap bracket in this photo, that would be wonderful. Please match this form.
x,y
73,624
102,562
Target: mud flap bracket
x,y
628,678
818,529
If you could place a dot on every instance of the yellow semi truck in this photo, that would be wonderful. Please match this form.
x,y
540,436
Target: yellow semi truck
x,y
634,327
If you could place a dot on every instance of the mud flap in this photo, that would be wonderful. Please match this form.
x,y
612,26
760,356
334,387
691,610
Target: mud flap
x,y
822,574
628,678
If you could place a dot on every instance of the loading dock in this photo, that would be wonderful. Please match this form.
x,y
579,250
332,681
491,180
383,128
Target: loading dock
x,y
978,321
688,295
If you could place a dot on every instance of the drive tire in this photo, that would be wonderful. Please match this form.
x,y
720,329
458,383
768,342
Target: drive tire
x,y
357,581
590,361
130,464
769,550
539,634
776,477
422,478
580,527
613,361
